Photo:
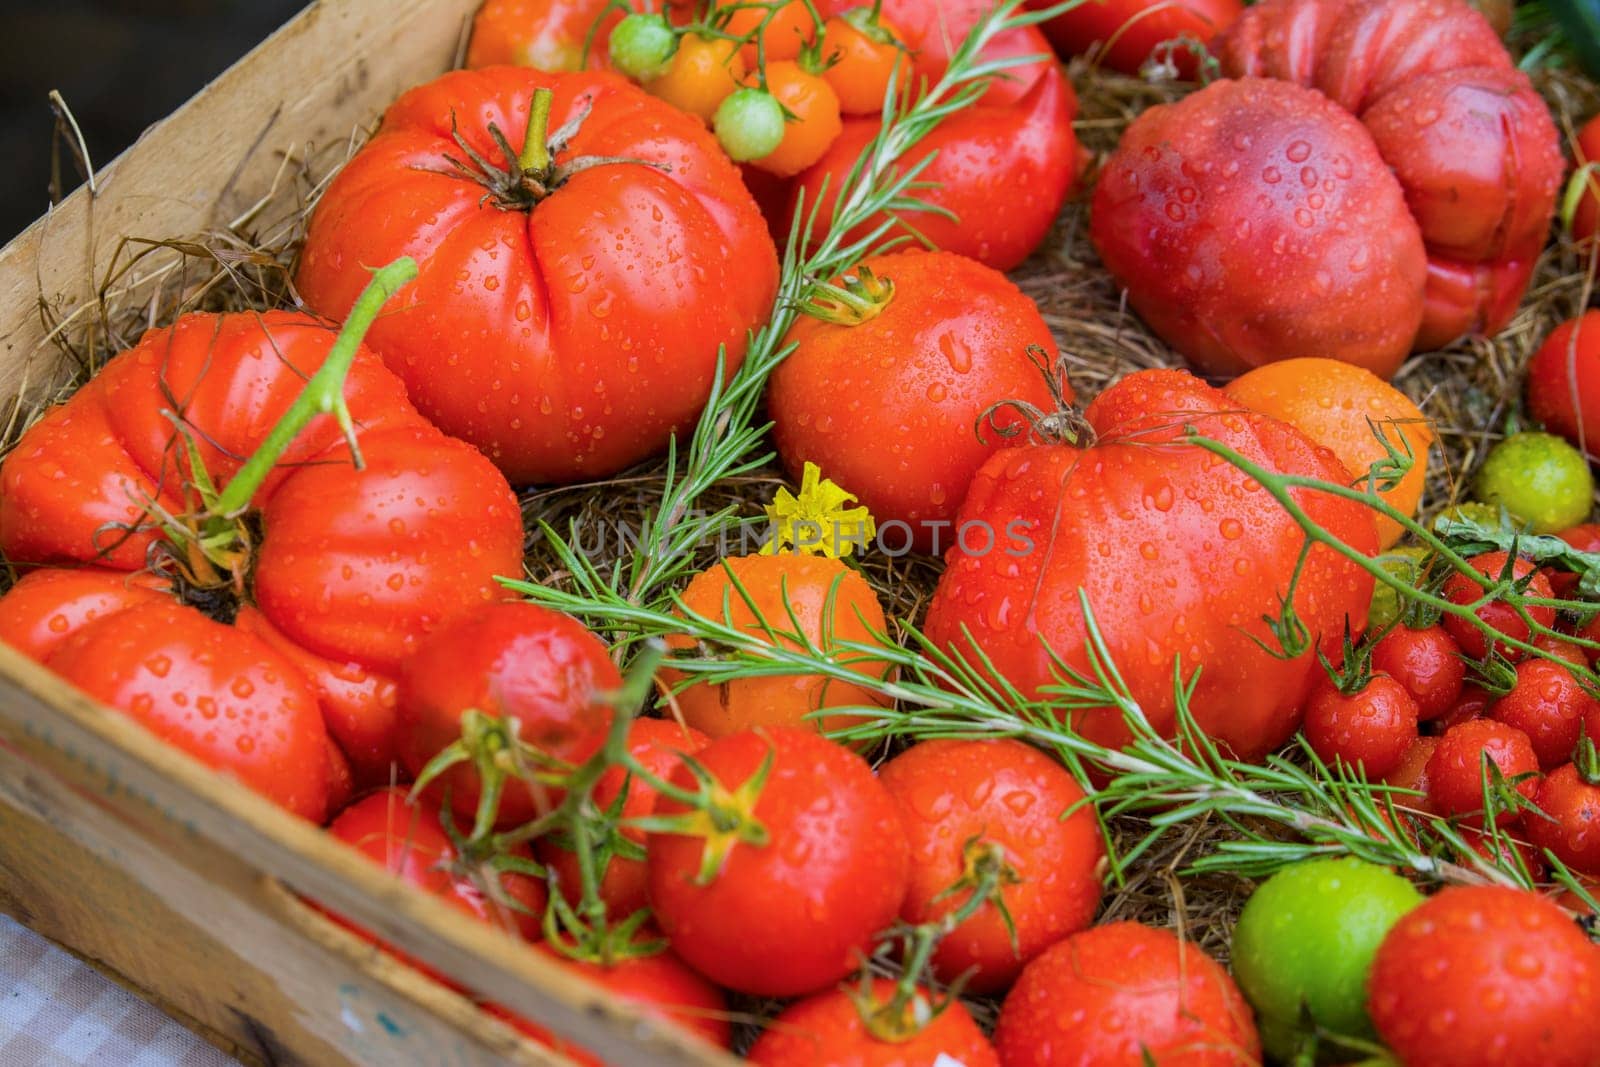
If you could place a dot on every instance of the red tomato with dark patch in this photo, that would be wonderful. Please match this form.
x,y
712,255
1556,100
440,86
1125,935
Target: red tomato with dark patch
x,y
1564,382
1470,141
660,986
801,912
1572,830
1412,773
1371,729
1518,981
1499,615
1427,662
950,342
1178,553
566,331
1129,30
1126,994
826,1028
511,661
1548,705
1457,769
1254,221
955,796
352,567
659,744
411,843
1002,166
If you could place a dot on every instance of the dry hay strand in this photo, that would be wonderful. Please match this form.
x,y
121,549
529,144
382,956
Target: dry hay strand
x,y
1468,390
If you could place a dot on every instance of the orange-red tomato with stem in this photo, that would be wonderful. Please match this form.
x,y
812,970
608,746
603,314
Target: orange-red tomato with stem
x,y
827,1028
812,123
547,35
703,72
864,56
788,30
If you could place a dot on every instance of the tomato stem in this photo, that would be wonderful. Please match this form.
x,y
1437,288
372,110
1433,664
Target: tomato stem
x,y
323,393
535,155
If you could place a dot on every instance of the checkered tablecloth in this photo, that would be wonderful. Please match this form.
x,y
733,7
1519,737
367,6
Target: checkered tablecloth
x,y
56,1011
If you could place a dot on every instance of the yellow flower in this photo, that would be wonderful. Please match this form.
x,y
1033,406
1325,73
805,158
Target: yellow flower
x,y
817,522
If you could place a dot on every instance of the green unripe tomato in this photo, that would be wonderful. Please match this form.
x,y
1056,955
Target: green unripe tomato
x,y
642,46
1404,563
1305,942
749,124
1539,477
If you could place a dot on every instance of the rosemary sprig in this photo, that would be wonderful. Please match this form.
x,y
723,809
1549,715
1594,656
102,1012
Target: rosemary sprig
x,y
726,441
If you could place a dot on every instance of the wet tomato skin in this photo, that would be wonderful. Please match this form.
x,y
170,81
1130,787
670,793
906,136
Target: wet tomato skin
x,y
826,1028
950,793
795,915
1427,662
1573,830
1372,728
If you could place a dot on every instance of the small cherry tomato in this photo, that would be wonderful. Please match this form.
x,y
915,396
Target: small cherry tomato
x,y
642,46
1474,703
660,745
1572,831
1427,662
1369,729
864,56
1123,993
1412,773
1517,980
704,71
1498,614
798,911
956,798
510,661
1587,219
1539,477
749,124
1304,944
789,28
827,1028
1457,769
813,121
1548,705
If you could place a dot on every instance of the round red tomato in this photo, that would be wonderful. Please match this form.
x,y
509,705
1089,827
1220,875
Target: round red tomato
x,y
1564,382
800,912
1487,977
1587,219
566,325
659,744
826,1028
1254,221
1457,769
1002,166
1427,662
1548,705
889,407
1129,30
345,569
1412,773
1371,729
1572,830
1126,994
511,661
1499,615
660,986
1178,553
956,797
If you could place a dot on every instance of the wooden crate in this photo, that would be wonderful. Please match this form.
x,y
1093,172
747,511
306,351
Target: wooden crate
x,y
180,883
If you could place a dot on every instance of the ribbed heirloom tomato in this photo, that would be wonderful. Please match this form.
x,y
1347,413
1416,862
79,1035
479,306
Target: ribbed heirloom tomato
x,y
344,572
572,300
1178,553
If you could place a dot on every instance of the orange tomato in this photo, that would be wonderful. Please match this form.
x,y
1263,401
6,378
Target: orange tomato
x,y
816,122
1331,403
703,72
790,29
864,55
780,700
546,35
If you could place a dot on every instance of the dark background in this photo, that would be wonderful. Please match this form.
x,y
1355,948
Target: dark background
x,y
121,65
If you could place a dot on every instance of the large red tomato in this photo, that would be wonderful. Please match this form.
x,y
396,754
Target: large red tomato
x,y
890,407
1178,552
566,324
350,568
827,1028
1254,221
1470,141
547,35
1130,30
1003,166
